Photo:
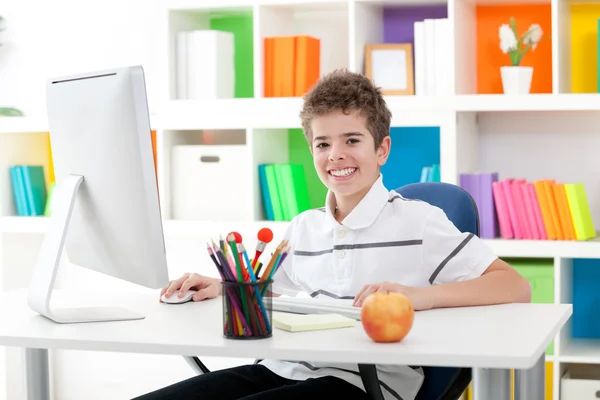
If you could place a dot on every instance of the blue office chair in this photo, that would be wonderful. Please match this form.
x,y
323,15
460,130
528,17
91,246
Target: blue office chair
x,y
440,383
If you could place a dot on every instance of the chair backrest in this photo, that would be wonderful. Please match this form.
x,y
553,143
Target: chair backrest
x,y
442,383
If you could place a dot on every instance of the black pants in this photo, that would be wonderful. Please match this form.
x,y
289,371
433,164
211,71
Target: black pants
x,y
255,382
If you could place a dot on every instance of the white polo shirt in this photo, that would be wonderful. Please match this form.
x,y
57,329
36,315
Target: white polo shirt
x,y
386,238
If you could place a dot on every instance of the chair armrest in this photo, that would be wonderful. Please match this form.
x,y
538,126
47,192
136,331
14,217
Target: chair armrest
x,y
196,365
368,374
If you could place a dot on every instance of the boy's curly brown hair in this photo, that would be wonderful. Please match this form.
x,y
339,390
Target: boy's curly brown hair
x,y
347,91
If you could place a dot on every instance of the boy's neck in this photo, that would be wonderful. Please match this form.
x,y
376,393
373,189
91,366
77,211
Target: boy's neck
x,y
346,204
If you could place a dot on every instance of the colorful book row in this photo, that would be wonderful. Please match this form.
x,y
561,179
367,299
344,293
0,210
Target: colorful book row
x,y
538,210
284,190
292,65
431,174
30,194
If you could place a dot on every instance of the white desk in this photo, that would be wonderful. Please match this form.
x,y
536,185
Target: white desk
x,y
492,339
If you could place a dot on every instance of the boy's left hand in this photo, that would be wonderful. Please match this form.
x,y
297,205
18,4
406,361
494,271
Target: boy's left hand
x,y
422,298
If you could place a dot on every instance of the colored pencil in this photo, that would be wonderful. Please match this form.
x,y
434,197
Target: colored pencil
x,y
221,269
231,241
259,297
239,316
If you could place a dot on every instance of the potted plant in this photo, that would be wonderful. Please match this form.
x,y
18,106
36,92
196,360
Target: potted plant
x,y
516,79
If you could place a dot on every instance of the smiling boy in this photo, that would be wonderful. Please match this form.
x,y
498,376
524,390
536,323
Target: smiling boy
x,y
366,238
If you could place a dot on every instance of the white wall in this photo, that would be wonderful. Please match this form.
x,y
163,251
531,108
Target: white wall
x,y
48,38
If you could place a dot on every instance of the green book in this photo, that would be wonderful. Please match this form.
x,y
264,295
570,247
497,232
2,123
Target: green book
x,y
271,174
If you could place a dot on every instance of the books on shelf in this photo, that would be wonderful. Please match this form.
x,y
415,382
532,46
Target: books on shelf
x,y
292,65
433,56
284,190
431,174
30,194
205,66
538,210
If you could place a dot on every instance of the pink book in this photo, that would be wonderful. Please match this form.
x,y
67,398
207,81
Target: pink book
x,y
537,213
506,231
528,206
506,185
520,207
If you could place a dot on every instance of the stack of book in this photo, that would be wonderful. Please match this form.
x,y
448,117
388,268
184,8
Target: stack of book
x,y
292,65
539,210
30,194
430,174
284,190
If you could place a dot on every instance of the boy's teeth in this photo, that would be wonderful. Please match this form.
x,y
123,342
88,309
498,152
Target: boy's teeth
x,y
342,172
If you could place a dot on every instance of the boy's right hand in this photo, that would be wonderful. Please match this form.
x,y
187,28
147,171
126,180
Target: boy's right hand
x,y
206,288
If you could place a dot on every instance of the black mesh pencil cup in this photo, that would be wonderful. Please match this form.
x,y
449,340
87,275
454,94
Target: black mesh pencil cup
x,y
247,310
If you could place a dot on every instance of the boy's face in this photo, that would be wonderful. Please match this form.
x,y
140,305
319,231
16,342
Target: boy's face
x,y
344,153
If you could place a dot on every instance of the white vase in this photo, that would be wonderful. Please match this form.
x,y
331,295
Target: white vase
x,y
516,79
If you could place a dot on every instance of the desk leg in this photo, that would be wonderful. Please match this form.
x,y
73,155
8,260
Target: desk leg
x,y
37,374
530,384
491,384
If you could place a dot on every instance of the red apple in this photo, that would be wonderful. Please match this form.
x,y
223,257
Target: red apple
x,y
387,316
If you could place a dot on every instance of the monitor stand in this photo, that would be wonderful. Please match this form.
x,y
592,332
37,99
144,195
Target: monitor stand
x,y
44,273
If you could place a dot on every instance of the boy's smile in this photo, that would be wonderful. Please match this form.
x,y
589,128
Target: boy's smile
x,y
345,157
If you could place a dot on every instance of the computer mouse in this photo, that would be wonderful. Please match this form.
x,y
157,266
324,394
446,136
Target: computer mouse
x,y
175,299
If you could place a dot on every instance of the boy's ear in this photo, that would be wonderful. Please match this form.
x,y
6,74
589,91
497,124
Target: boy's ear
x,y
384,150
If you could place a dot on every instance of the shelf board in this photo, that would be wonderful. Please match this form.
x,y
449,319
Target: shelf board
x,y
23,224
530,102
277,112
501,247
173,228
545,248
23,125
580,351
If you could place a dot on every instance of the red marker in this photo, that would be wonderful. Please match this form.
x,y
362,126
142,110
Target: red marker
x,y
238,241
264,236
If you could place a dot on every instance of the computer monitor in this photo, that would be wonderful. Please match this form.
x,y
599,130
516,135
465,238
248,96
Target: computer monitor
x,y
105,208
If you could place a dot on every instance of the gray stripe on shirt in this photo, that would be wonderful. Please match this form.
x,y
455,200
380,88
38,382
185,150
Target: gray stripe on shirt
x,y
398,243
450,256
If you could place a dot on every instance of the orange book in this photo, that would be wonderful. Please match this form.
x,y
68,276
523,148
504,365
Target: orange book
x,y
268,67
560,233
308,63
284,66
545,209
564,211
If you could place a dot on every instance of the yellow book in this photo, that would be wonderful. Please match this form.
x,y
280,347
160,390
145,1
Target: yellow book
x,y
310,322
580,211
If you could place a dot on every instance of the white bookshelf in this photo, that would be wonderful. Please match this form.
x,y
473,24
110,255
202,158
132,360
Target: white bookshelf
x,y
533,136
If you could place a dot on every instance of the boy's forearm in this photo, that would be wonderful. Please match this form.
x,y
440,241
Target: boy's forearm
x,y
495,287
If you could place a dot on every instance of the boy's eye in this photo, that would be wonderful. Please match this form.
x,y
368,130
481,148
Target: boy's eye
x,y
353,141
321,145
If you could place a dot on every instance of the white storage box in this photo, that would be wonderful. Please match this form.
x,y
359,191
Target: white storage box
x,y
580,383
210,183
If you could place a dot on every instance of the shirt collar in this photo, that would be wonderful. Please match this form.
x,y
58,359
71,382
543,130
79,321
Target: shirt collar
x,y
365,212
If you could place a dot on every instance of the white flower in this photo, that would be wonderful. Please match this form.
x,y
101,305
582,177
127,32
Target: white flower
x,y
534,35
508,41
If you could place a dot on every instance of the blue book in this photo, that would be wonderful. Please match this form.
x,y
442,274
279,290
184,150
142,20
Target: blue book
x,y
435,173
266,194
18,187
35,188
425,174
